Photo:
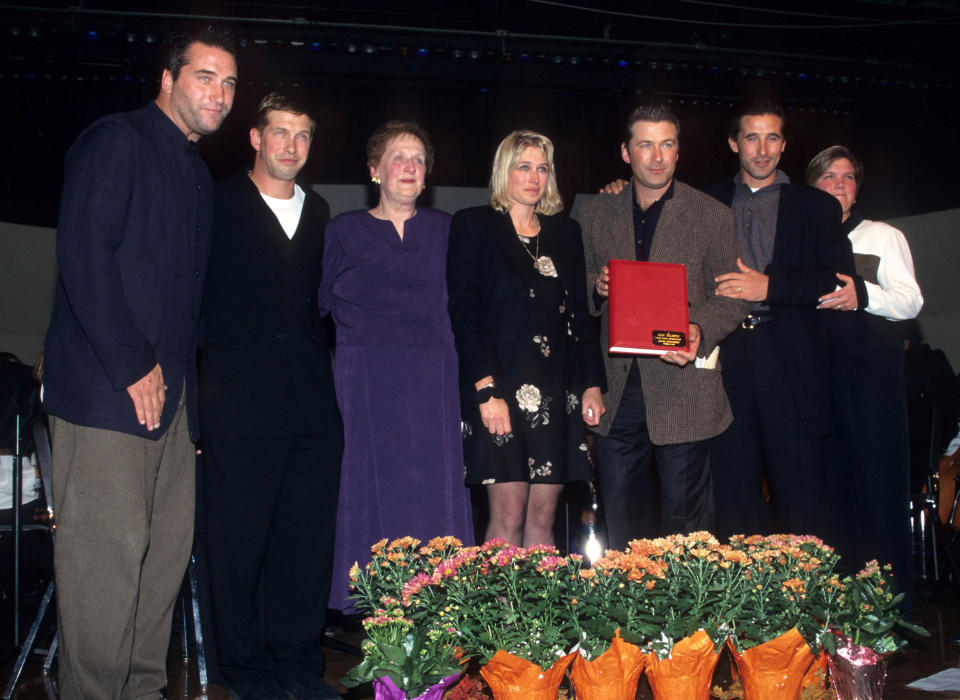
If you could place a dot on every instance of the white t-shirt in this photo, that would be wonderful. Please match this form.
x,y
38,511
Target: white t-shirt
x,y
287,211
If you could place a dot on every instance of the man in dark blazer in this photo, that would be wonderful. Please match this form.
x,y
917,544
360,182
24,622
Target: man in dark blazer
x,y
132,246
660,411
272,434
776,365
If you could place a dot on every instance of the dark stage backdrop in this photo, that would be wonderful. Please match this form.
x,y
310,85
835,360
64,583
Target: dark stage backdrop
x,y
57,76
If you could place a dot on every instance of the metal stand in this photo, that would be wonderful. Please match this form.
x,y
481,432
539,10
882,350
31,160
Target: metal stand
x,y
42,446
197,627
28,644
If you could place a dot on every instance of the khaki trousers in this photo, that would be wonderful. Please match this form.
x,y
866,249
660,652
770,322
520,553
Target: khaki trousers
x,y
124,508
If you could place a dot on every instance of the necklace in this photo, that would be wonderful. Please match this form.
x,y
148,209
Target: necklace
x,y
541,263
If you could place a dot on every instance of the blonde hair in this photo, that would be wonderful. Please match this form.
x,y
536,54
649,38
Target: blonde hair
x,y
506,159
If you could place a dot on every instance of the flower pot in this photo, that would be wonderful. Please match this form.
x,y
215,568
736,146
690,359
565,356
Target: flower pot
x,y
817,676
513,678
687,674
774,670
611,676
857,672
385,689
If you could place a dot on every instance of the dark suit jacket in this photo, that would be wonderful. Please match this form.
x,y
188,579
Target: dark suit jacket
x,y
265,356
132,245
810,248
684,404
488,278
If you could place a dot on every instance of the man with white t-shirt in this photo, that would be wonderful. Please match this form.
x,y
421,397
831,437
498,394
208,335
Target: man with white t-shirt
x,y
272,435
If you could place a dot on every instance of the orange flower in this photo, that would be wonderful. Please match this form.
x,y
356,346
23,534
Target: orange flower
x,y
794,584
443,542
378,547
404,543
645,548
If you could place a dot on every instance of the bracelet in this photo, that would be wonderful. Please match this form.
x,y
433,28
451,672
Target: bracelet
x,y
488,391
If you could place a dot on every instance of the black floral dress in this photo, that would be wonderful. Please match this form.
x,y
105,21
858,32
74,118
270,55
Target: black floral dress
x,y
547,444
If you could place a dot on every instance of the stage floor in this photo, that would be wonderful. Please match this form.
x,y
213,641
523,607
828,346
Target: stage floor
x,y
940,614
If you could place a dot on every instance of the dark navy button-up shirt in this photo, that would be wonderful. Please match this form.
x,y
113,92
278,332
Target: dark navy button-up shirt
x,y
132,246
645,223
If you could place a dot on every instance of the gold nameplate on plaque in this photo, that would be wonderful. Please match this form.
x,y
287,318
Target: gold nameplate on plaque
x,y
669,339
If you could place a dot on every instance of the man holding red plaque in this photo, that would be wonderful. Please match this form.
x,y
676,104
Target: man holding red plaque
x,y
661,410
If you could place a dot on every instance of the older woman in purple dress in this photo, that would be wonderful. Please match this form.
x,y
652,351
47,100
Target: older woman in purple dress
x,y
395,366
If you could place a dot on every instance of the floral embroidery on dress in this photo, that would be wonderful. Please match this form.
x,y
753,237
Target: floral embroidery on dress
x,y
545,469
528,398
544,344
466,429
535,407
532,295
572,403
562,308
501,440
582,447
487,482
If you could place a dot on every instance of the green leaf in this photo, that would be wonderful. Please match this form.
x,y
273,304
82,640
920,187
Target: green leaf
x,y
916,629
394,654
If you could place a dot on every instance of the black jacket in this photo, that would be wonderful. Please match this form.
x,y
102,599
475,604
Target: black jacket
x,y
488,279
810,248
264,355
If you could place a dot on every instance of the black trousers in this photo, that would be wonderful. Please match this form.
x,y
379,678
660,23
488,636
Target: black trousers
x,y
650,490
867,494
766,437
270,509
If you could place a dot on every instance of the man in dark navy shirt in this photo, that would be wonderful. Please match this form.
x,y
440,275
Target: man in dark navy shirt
x,y
120,382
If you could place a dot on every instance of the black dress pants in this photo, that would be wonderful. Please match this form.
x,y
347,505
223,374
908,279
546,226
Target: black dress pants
x,y
650,490
766,437
270,513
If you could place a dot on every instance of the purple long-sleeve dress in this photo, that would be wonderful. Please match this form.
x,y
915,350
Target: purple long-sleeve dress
x,y
395,370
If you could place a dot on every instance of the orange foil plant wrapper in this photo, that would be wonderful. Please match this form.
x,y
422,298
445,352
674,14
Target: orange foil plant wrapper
x,y
774,670
513,678
687,674
816,676
611,676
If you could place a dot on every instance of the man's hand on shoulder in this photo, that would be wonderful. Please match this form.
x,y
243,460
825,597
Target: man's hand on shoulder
x,y
148,395
615,187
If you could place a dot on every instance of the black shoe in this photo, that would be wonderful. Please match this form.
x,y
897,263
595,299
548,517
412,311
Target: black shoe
x,y
310,688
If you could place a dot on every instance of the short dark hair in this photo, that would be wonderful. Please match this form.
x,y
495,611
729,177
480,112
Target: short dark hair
x,y
650,112
377,143
821,162
754,109
176,45
278,101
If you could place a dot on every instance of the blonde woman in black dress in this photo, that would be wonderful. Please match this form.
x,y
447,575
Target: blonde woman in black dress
x,y
531,373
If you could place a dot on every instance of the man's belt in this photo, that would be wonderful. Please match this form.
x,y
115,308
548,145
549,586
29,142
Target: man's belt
x,y
754,320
